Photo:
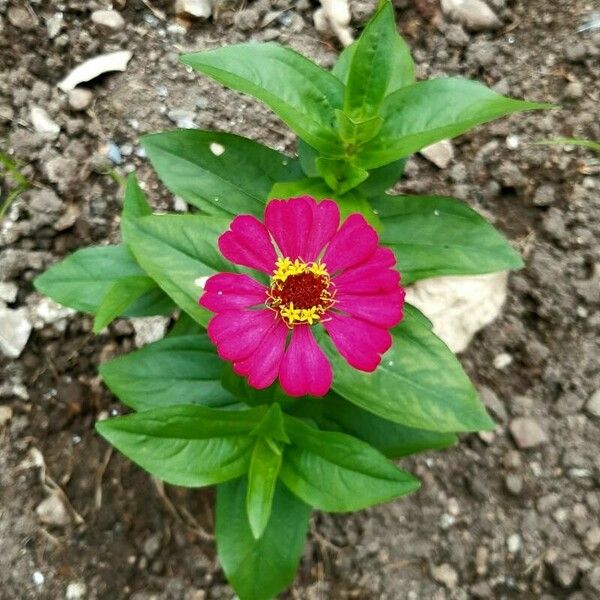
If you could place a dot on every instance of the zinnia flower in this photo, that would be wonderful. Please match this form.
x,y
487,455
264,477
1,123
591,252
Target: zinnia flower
x,y
321,275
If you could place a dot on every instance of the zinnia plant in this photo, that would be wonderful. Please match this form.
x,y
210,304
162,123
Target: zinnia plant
x,y
294,372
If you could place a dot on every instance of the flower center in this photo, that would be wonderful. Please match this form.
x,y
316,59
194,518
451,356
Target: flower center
x,y
300,292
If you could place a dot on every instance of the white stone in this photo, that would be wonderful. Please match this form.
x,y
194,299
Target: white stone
x,y
201,9
110,19
440,154
514,543
459,306
149,329
5,415
8,291
76,590
38,578
54,24
43,124
502,360
527,433
446,575
47,312
593,404
473,14
15,328
92,68
80,98
334,16
52,511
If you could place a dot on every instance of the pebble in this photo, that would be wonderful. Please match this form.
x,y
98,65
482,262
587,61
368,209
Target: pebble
x,y
493,403
592,539
21,18
149,329
592,579
54,24
92,68
565,572
200,9
6,414
593,404
52,511
514,483
48,312
440,154
80,98
576,52
246,20
445,574
502,360
514,543
15,328
43,124
152,546
8,291
569,403
111,19
544,195
38,578
182,118
475,15
574,90
527,433
76,590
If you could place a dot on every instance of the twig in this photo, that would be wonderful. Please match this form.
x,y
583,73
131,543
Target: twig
x,y
99,476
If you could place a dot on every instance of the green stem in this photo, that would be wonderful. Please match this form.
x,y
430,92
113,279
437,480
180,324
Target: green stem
x,y
23,183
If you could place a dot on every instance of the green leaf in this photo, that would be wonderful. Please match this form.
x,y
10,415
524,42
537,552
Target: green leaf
x,y
429,111
348,203
341,176
178,251
335,472
262,480
433,236
301,93
177,370
371,65
82,280
259,569
272,427
357,130
419,383
382,178
402,69
191,446
185,325
220,173
240,388
121,294
135,203
391,439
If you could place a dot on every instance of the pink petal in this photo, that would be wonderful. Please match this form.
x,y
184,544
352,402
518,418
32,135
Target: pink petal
x,y
384,310
289,222
359,342
367,280
237,333
351,245
305,369
225,291
262,365
326,220
248,244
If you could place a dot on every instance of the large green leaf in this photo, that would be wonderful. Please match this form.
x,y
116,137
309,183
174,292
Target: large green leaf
x,y
419,382
391,439
433,236
382,178
190,446
429,111
370,68
82,280
220,173
179,252
262,480
302,94
177,370
259,569
336,472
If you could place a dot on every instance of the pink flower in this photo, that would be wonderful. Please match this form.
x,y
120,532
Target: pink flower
x,y
321,274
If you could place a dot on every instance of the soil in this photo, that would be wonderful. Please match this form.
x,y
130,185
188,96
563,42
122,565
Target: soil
x,y
492,520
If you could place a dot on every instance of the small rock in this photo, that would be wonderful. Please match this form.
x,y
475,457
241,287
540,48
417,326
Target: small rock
x,y
475,15
440,154
554,223
592,539
21,18
52,511
38,578
544,195
493,403
14,331
54,24
592,580
565,572
481,560
502,360
527,433
576,52
152,546
514,543
68,219
445,575
63,171
593,404
76,590
110,19
48,312
574,90
200,9
80,98
8,291
43,124
247,19
149,329
569,403
6,414
180,205
457,36
514,484
182,118
92,68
